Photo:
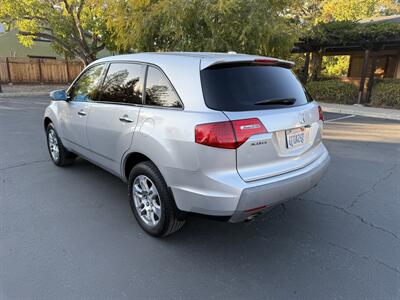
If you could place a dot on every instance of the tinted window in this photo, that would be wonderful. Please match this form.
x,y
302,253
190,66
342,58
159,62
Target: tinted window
x,y
86,87
239,87
123,83
159,91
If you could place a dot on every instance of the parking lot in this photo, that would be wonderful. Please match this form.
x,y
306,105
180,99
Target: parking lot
x,y
68,233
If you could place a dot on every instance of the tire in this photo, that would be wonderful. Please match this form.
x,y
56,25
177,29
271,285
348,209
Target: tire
x,y
166,218
64,157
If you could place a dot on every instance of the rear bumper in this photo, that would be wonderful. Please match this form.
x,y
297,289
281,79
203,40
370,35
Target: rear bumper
x,y
222,192
268,195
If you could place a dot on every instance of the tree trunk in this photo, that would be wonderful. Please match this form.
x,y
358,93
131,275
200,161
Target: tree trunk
x,y
86,59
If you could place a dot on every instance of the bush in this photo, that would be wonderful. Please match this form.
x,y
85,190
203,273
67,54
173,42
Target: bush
x,y
333,90
386,93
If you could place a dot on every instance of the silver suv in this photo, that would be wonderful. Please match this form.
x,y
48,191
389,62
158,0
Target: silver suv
x,y
222,135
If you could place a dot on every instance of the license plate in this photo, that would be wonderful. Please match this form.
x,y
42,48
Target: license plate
x,y
294,138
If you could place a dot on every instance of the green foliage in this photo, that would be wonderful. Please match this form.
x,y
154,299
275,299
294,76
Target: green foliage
x,y
388,7
312,12
81,28
347,33
335,65
386,93
304,14
347,10
334,91
250,26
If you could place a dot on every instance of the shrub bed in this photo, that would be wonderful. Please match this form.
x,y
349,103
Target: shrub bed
x,y
333,90
386,93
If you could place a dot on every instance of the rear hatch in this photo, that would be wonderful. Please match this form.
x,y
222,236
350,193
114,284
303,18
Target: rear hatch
x,y
270,99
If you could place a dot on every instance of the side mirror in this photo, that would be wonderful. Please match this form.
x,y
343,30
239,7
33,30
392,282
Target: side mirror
x,y
59,95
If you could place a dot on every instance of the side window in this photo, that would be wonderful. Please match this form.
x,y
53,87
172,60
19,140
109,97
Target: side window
x,y
159,91
123,83
86,87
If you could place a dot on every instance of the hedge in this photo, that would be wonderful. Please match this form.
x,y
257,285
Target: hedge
x,y
333,90
386,93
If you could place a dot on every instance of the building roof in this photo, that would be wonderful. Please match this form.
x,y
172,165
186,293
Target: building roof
x,y
381,19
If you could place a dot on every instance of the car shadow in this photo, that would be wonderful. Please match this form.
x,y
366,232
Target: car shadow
x,y
269,237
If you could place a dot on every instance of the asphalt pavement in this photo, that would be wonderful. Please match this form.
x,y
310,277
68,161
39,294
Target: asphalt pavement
x,y
68,233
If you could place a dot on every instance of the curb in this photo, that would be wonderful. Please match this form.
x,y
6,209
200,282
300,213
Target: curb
x,y
359,110
23,94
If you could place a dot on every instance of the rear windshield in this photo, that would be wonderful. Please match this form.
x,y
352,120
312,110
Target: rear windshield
x,y
240,87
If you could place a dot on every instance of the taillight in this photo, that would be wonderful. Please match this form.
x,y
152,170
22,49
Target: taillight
x,y
247,128
321,113
216,135
228,134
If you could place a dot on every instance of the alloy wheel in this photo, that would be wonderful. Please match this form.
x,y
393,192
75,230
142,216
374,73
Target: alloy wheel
x,y
147,200
53,145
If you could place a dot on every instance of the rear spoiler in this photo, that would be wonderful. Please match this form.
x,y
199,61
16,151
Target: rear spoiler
x,y
268,61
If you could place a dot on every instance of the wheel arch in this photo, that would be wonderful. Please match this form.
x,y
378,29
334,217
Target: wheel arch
x,y
135,158
46,122
131,160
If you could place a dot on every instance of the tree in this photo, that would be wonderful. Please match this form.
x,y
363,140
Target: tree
x,y
346,10
388,7
251,26
354,10
76,28
311,12
304,14
335,65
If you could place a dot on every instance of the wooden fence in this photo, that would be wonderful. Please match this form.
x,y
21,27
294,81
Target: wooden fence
x,y
34,70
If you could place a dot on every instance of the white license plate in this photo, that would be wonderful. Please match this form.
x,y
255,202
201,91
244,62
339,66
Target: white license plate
x,y
294,137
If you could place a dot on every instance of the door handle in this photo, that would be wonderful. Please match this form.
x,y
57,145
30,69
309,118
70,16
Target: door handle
x,y
82,113
125,119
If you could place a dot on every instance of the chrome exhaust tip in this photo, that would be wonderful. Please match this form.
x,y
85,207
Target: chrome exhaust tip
x,y
251,218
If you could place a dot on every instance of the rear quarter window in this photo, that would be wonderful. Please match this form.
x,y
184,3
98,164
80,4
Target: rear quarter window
x,y
159,91
240,87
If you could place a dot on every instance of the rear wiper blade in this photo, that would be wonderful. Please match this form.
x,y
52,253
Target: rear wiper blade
x,y
271,101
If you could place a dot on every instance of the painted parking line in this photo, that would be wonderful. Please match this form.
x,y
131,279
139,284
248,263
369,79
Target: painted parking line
x,y
340,118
